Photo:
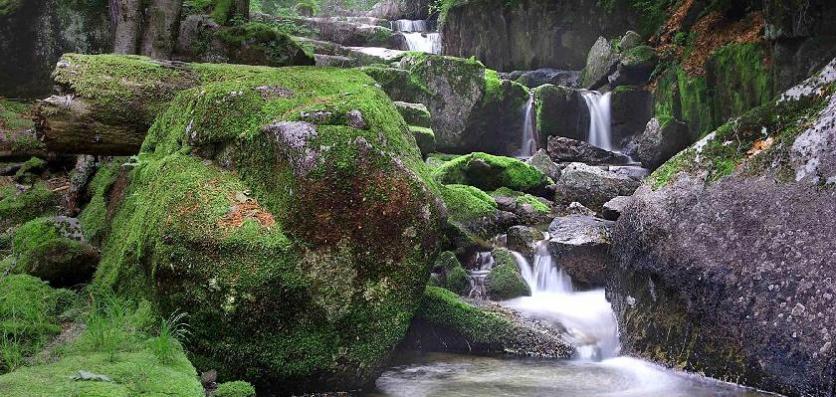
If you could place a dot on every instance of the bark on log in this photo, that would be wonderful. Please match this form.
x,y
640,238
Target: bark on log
x,y
106,105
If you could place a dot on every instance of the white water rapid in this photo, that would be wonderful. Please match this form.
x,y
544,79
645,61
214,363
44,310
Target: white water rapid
x,y
600,119
529,131
418,36
587,316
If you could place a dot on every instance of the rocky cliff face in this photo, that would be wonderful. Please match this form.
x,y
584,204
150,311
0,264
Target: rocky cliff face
x,y
530,34
723,259
34,34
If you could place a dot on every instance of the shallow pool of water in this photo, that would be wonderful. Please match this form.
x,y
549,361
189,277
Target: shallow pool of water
x,y
450,375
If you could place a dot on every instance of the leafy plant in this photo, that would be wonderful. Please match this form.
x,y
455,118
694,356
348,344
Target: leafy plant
x,y
173,331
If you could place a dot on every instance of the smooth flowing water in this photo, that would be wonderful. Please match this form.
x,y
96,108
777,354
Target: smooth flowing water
x,y
600,119
418,37
448,375
529,142
597,371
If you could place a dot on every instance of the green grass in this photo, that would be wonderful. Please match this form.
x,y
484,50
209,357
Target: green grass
x,y
235,389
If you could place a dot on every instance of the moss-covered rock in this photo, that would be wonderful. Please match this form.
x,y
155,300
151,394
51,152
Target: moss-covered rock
x,y
307,178
53,249
30,170
561,111
504,281
257,43
445,322
105,192
415,114
19,204
489,172
399,84
452,275
424,137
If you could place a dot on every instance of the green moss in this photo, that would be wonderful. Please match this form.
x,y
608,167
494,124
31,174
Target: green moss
x,y
17,207
9,6
235,389
740,78
29,311
467,202
221,10
14,115
424,137
258,43
40,249
311,266
436,160
522,198
95,218
639,55
114,344
504,281
489,172
443,308
458,281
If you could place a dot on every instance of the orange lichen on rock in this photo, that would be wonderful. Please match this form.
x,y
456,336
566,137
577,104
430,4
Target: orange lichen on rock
x,y
243,209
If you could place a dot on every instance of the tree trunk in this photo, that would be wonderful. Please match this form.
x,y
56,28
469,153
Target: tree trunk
x,y
127,18
160,32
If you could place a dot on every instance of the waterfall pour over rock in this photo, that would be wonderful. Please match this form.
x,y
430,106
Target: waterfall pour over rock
x,y
600,119
418,36
530,142
587,315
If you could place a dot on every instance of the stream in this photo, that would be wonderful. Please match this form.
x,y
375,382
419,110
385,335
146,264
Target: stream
x,y
596,370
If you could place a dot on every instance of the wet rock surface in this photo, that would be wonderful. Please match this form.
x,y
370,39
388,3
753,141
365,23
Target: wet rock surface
x,y
591,186
567,150
580,244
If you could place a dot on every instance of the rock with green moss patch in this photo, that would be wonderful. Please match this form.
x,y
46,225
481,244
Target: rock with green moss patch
x,y
451,273
54,249
504,281
447,323
30,170
661,140
530,209
715,218
473,213
424,137
489,172
256,43
415,114
309,179
235,389
636,66
19,204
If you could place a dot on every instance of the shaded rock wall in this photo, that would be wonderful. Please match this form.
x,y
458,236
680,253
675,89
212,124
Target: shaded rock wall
x,y
531,34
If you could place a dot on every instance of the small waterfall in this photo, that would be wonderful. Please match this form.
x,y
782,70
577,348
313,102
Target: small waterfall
x,y
484,264
600,119
529,131
408,26
418,37
587,315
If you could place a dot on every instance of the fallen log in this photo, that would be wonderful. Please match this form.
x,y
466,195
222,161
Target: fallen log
x,y
106,103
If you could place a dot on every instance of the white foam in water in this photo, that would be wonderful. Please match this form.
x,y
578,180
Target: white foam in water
x,y
600,119
587,315
408,26
529,130
424,42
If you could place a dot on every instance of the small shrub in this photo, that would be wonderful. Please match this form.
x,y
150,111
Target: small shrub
x,y
237,388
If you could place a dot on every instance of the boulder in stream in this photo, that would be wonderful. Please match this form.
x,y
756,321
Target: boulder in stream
x,y
489,172
505,281
660,141
567,150
723,259
591,186
561,111
580,245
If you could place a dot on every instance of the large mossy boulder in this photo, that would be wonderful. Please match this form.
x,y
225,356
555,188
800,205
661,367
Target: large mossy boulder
x,y
489,172
54,249
473,213
288,210
723,258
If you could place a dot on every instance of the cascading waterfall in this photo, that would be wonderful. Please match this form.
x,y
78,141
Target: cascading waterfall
x,y
484,263
529,131
418,37
587,315
600,119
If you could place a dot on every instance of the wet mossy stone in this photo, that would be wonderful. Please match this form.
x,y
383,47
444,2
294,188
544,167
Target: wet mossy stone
x,y
444,309
453,275
19,204
489,172
53,249
290,211
504,281
257,43
415,114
